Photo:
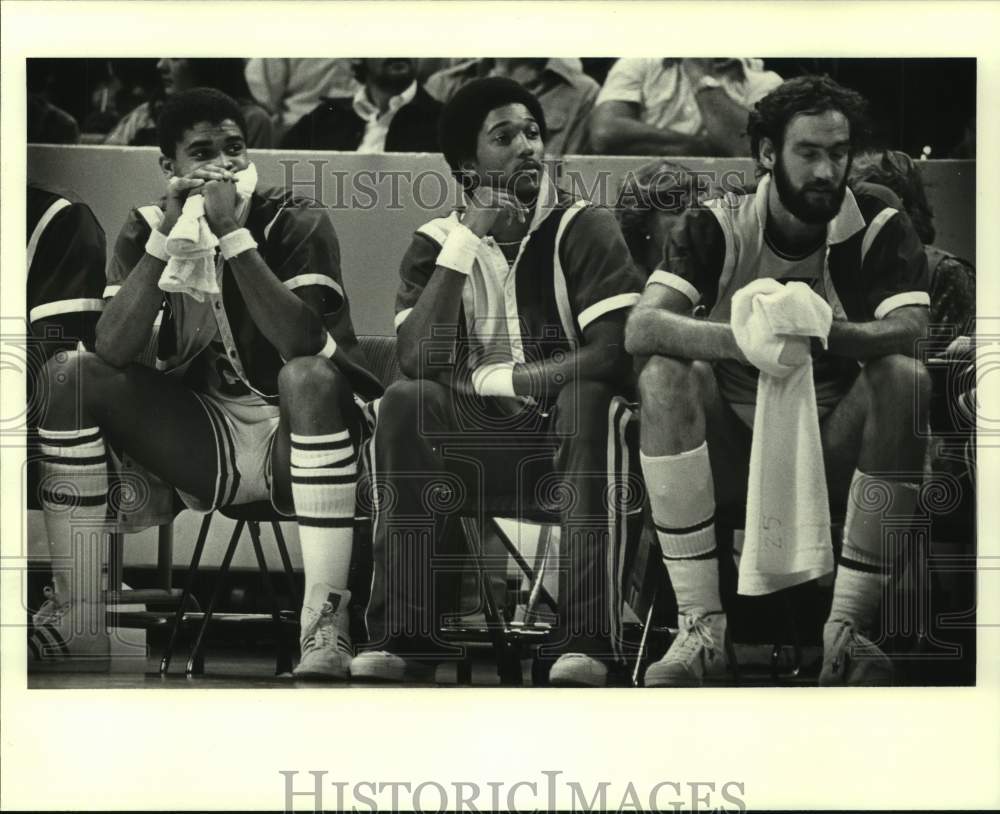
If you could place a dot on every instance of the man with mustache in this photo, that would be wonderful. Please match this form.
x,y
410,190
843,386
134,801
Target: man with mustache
x,y
698,391
510,318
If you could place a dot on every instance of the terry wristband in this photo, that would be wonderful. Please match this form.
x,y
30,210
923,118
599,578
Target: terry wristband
x,y
495,379
236,242
157,245
459,250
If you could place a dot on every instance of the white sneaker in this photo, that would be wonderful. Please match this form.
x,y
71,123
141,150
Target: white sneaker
x,y
379,665
325,640
849,659
701,651
578,670
70,636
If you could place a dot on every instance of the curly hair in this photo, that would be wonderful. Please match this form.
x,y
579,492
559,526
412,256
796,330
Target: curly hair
x,y
809,95
184,110
465,112
897,171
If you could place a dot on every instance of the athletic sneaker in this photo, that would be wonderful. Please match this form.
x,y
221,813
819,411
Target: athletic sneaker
x,y
849,659
50,612
578,670
701,651
325,640
70,636
379,665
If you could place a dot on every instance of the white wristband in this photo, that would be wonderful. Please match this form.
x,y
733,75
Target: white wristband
x,y
157,245
236,242
495,379
459,250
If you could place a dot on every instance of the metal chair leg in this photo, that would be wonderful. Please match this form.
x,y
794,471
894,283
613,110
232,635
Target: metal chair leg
x,y
199,547
528,571
286,563
194,665
284,659
541,566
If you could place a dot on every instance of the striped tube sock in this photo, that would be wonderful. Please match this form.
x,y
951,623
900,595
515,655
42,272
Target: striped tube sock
x,y
863,570
74,497
864,565
324,479
682,498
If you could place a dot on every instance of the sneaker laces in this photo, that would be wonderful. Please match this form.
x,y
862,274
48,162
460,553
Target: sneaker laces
x,y
322,631
696,633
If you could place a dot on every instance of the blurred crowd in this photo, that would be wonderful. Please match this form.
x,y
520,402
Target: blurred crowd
x,y
630,106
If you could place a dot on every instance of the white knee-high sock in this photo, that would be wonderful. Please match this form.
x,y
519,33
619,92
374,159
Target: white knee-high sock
x,y
682,499
324,481
74,493
865,560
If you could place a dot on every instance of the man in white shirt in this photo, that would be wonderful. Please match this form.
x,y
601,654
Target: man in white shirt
x,y
671,106
389,113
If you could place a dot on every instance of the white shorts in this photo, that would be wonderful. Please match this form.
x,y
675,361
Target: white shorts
x,y
244,435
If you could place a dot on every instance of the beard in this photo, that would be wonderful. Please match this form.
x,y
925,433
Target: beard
x,y
809,209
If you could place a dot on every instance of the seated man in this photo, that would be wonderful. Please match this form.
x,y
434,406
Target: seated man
x,y
564,91
65,260
389,113
689,107
510,320
255,395
865,260
650,203
952,279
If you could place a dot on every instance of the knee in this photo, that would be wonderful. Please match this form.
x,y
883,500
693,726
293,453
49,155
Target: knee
x,y
667,382
899,381
63,377
406,403
312,381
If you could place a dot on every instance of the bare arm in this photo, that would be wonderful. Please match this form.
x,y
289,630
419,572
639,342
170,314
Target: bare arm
x,y
437,307
124,328
291,326
615,129
661,325
125,325
439,302
898,332
724,118
602,358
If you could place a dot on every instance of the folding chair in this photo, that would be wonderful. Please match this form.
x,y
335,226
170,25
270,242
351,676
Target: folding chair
x,y
248,516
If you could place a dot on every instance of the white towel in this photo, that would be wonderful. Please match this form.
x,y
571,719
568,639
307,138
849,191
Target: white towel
x,y
788,516
192,245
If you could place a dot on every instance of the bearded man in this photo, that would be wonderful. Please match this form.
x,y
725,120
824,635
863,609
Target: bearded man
x,y
698,391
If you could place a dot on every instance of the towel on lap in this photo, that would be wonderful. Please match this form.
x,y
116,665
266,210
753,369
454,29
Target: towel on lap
x,y
787,538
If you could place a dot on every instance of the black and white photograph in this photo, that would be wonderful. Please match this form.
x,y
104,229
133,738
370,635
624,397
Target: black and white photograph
x,y
617,425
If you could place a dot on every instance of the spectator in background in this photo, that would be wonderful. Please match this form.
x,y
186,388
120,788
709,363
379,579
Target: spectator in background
x,y
952,279
567,95
650,202
290,88
178,75
47,123
389,113
694,107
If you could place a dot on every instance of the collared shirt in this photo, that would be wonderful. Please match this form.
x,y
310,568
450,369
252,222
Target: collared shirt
x,y
872,263
572,268
666,97
376,122
565,92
